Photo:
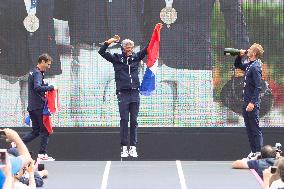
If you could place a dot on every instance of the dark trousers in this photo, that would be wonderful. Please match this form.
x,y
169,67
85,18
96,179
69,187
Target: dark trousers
x,y
128,103
38,129
253,130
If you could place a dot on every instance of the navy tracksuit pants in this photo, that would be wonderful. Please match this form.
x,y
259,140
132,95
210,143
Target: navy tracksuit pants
x,y
254,132
128,103
38,129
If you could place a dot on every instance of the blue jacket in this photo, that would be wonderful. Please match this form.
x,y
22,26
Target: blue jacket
x,y
260,164
252,81
37,89
125,68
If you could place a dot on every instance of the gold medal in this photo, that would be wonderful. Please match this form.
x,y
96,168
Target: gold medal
x,y
31,23
168,14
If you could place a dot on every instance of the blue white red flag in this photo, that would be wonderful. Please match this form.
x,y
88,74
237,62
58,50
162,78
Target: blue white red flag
x,y
149,79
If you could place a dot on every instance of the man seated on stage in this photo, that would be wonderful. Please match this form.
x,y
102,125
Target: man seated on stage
x,y
266,159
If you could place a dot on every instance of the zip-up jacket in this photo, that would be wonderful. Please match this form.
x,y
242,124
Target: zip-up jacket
x,y
125,67
36,90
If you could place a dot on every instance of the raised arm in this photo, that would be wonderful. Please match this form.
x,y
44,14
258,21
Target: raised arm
x,y
238,61
21,147
106,55
142,53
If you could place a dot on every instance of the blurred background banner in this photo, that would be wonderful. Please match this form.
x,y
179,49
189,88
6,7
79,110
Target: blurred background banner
x,y
196,85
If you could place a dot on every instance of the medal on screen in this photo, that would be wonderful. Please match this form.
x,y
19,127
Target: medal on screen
x,y
168,14
31,22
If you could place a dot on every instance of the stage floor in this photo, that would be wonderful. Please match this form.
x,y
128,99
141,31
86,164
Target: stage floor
x,y
147,175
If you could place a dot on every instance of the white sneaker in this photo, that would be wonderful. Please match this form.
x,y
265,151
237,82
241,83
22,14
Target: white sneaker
x,y
45,157
124,152
257,154
250,155
133,152
253,155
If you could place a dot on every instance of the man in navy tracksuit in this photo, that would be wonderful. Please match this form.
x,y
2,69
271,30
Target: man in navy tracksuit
x,y
251,96
127,89
36,101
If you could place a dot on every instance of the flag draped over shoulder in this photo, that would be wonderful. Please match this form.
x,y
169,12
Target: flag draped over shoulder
x,y
148,82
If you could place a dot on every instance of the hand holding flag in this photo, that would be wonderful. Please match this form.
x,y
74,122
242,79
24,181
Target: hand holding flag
x,y
148,83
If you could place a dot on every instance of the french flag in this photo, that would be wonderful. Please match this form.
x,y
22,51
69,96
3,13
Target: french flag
x,y
46,119
148,82
50,106
53,100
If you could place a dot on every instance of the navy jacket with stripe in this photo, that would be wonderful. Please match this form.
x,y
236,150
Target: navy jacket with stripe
x,y
252,82
125,68
36,90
